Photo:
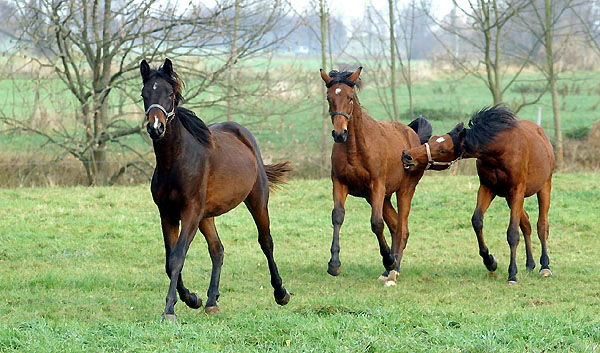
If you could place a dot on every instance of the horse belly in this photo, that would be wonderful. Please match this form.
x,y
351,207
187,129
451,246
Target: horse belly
x,y
229,183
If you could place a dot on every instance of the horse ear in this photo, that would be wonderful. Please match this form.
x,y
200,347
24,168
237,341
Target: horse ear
x,y
144,70
354,77
325,77
462,132
168,67
458,128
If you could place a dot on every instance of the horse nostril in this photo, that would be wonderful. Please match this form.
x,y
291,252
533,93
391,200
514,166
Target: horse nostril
x,y
406,156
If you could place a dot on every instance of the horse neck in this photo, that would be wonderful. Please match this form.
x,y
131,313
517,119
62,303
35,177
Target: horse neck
x,y
168,149
356,129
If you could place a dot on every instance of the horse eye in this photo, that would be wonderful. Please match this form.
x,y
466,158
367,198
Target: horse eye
x,y
442,151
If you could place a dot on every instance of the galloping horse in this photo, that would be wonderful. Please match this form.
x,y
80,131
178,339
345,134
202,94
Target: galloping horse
x,y
514,160
202,172
366,162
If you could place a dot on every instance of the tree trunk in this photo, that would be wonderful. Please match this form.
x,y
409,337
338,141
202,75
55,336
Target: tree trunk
x,y
552,77
393,60
234,50
492,68
325,108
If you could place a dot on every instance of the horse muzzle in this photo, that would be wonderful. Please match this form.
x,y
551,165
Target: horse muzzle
x,y
341,137
156,130
408,161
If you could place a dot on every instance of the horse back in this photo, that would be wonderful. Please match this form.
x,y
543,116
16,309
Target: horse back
x,y
521,155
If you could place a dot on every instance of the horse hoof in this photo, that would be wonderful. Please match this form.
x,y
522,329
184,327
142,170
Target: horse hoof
x,y
493,266
195,302
391,278
512,282
334,270
285,299
545,272
211,310
172,318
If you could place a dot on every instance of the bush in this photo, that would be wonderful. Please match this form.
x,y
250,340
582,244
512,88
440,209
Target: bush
x,y
578,133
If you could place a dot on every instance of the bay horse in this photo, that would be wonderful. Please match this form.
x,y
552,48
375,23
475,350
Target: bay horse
x,y
514,160
202,172
366,162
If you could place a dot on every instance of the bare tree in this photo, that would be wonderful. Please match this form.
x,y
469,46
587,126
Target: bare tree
x,y
544,21
95,47
486,33
392,19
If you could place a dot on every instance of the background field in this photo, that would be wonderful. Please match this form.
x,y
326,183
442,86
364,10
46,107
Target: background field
x,y
286,120
83,270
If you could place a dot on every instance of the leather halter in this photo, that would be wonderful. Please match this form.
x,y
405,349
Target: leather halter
x,y
431,162
169,115
348,116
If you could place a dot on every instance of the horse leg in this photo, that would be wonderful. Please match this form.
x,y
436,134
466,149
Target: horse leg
x,y
170,228
215,249
390,217
542,226
400,236
189,223
376,200
340,192
526,230
256,203
484,198
515,202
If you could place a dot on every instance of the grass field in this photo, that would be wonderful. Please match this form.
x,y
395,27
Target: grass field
x,y
82,270
433,90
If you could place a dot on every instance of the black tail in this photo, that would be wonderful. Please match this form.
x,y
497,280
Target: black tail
x,y
423,128
276,173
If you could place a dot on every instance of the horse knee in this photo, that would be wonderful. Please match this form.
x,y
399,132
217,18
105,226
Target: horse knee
x,y
377,225
512,236
337,216
477,221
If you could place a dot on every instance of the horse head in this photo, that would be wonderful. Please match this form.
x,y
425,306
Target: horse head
x,y
341,97
161,94
439,153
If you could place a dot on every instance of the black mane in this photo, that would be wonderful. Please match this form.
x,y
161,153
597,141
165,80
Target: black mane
x,y
485,125
194,125
342,77
188,118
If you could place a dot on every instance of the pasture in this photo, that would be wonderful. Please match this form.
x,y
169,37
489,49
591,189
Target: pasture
x,y
82,269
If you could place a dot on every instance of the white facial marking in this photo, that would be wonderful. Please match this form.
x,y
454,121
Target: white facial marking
x,y
338,90
440,140
155,122
155,85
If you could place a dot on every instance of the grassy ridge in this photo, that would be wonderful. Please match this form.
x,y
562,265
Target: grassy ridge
x,y
82,269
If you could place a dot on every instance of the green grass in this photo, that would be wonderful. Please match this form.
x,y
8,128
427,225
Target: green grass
x,y
82,269
300,127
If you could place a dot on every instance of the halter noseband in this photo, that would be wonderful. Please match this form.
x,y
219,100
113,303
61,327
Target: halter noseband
x,y
169,115
348,116
431,162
